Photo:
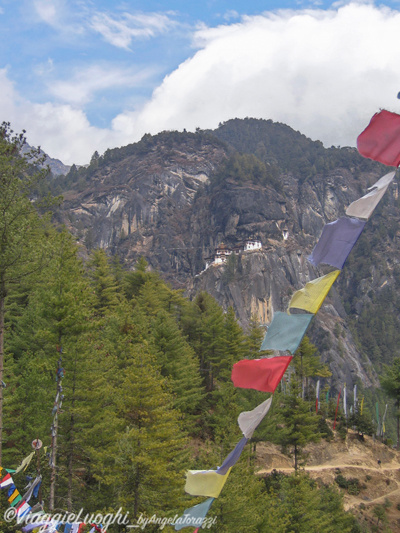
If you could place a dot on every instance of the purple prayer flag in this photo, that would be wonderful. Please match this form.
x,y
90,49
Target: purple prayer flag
x,y
336,242
233,457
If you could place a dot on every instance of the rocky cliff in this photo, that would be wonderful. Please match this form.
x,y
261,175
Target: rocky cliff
x,y
164,199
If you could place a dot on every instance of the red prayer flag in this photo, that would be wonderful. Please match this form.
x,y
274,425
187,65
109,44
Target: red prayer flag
x,y
380,140
260,374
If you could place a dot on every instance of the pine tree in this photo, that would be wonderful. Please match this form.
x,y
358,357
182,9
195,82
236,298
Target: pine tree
x,y
308,364
243,506
300,426
234,341
104,284
56,316
140,464
311,509
179,365
254,338
21,255
133,281
210,341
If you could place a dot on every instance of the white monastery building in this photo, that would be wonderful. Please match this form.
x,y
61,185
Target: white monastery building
x,y
222,252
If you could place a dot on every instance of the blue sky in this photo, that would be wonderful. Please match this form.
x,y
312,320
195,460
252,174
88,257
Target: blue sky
x,y
83,75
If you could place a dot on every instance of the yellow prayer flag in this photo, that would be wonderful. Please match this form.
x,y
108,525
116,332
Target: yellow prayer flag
x,y
311,297
205,482
25,463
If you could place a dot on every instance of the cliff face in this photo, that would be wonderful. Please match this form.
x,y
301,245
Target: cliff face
x,y
142,205
163,203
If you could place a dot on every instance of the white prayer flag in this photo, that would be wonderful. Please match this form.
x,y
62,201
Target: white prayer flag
x,y
249,420
364,207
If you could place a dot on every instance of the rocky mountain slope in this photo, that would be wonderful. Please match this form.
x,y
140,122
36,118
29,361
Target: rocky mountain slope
x,y
379,483
175,197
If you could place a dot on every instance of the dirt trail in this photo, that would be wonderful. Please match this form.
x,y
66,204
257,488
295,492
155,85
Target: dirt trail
x,y
352,459
317,468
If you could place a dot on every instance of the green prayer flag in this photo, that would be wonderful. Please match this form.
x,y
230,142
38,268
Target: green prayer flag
x,y
16,500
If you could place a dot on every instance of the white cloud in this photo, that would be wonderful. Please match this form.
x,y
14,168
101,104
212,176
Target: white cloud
x,y
65,133
231,14
49,11
322,72
80,88
61,130
122,30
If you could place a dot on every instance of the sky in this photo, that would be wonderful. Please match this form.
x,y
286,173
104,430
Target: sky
x,y
85,75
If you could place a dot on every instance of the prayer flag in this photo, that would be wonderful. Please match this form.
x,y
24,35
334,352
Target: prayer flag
x,y
249,420
260,374
6,481
35,492
337,408
364,207
232,458
205,482
12,494
35,525
286,331
23,509
317,396
25,463
336,242
16,500
194,516
383,421
345,400
11,489
311,297
380,140
32,486
355,398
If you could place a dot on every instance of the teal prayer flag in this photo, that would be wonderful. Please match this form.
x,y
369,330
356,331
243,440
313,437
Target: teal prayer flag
x,y
194,516
286,331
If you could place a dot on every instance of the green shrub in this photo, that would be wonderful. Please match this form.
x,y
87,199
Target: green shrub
x,y
341,481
